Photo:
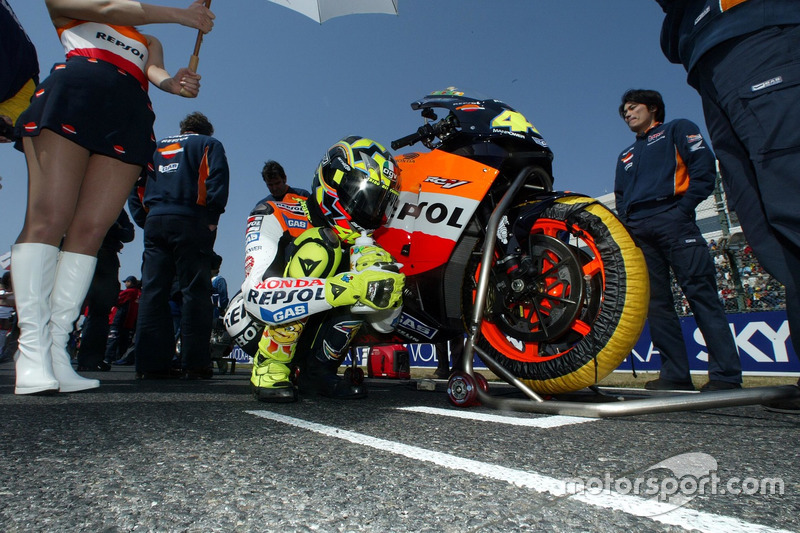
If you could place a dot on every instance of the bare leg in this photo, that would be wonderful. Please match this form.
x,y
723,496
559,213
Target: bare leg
x,y
72,193
106,186
56,167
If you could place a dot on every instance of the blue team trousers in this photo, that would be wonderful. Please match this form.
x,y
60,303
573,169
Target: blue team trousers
x,y
176,248
672,240
750,87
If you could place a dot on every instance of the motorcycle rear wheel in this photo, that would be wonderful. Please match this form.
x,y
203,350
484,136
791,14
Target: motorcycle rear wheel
x,y
584,309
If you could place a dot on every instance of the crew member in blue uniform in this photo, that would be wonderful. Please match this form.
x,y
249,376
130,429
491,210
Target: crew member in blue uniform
x,y
660,180
743,57
183,199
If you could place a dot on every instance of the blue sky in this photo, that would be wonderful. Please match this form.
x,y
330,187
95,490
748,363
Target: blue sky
x,y
277,85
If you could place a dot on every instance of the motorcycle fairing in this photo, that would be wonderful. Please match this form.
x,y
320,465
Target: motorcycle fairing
x,y
481,117
434,209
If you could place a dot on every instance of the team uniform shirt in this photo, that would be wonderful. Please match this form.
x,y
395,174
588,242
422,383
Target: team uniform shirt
x,y
98,98
122,46
189,177
668,165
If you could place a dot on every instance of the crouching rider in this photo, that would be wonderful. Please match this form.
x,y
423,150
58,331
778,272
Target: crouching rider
x,y
294,309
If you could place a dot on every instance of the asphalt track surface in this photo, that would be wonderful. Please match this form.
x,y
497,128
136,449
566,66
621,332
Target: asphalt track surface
x,y
205,456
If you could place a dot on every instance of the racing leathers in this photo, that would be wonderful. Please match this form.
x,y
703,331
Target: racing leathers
x,y
298,291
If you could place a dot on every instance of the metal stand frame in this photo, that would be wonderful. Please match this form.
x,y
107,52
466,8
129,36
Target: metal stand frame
x,y
536,404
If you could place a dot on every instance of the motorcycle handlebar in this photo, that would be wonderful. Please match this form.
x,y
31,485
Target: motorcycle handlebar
x,y
423,132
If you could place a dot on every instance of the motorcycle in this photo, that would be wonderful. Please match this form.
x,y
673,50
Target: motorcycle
x,y
548,285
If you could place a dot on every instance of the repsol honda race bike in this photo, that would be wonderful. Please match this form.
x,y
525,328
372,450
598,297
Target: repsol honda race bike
x,y
549,285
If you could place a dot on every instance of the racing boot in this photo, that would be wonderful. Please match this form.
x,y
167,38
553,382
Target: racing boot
x,y
73,276
270,379
321,378
33,266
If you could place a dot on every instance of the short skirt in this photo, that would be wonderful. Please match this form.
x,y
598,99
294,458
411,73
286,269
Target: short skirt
x,y
96,105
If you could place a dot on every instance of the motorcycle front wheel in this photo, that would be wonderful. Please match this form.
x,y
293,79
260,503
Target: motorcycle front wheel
x,y
579,309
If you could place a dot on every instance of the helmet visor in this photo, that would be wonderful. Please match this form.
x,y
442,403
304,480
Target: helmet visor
x,y
370,198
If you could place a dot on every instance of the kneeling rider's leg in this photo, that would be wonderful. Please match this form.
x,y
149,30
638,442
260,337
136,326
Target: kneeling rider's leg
x,y
328,348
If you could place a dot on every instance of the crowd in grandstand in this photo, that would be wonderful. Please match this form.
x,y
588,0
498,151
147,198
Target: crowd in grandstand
x,y
758,290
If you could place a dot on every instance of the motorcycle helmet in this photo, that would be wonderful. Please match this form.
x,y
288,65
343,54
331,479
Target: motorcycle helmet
x,y
356,187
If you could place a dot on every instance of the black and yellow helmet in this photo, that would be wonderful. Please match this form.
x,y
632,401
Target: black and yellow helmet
x,y
356,186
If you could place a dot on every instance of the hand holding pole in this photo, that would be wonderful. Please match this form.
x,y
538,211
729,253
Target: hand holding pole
x,y
195,58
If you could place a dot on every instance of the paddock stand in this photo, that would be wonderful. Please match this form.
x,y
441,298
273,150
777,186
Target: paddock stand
x,y
471,388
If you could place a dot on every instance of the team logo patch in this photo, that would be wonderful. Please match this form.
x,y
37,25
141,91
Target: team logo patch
x,y
292,208
445,183
349,328
769,83
171,150
308,266
292,222
254,223
337,290
286,313
410,323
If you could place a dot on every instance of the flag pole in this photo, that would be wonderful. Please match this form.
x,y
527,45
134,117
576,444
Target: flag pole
x,y
195,58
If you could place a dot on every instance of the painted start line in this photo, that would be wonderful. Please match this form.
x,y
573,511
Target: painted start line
x,y
688,519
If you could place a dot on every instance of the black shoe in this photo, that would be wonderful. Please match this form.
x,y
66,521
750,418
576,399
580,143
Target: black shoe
x,y
441,373
123,362
102,366
334,386
789,406
162,374
665,384
330,385
716,384
198,373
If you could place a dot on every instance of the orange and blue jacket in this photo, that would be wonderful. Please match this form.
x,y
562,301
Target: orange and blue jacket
x,y
668,165
189,177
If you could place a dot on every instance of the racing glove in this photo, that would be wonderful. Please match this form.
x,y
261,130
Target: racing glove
x,y
370,256
375,287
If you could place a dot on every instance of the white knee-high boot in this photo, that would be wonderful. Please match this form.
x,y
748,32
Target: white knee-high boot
x,y
73,276
33,266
